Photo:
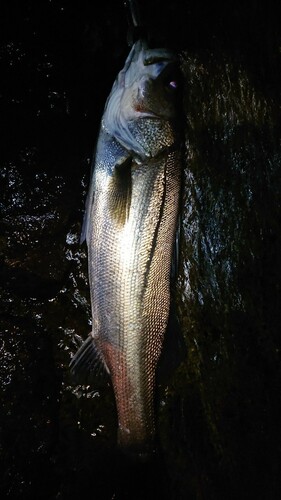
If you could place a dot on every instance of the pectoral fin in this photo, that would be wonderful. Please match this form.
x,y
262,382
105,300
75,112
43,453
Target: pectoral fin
x,y
120,191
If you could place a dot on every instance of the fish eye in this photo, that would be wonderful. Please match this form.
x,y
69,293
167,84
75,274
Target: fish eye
x,y
171,79
173,84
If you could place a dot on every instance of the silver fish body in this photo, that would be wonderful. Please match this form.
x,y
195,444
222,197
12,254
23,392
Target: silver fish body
x,y
130,226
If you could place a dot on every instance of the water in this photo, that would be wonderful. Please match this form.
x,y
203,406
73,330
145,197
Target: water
x,y
218,413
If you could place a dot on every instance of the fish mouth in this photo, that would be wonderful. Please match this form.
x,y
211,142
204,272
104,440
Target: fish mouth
x,y
150,56
145,88
156,56
142,56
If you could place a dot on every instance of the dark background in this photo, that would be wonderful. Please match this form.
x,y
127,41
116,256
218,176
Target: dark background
x,y
218,417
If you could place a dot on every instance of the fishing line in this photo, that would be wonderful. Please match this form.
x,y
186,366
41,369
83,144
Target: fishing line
x,y
136,29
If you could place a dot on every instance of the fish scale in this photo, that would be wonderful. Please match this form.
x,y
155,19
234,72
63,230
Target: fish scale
x,y
130,226
136,387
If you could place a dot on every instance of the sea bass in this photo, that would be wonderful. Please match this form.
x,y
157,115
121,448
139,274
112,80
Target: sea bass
x,y
130,225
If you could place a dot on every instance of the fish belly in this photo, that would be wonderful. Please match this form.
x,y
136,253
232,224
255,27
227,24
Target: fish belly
x,y
129,270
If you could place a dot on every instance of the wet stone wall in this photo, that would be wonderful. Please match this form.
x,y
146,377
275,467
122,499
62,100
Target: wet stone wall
x,y
218,418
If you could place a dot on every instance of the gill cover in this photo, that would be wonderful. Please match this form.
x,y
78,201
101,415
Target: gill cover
x,y
144,88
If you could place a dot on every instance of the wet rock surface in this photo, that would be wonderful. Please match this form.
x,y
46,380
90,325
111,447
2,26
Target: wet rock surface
x,y
218,412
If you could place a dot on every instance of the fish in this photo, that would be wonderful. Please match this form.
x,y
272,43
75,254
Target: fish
x,y
130,225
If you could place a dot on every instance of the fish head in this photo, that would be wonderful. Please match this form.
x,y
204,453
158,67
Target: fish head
x,y
146,88
151,83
